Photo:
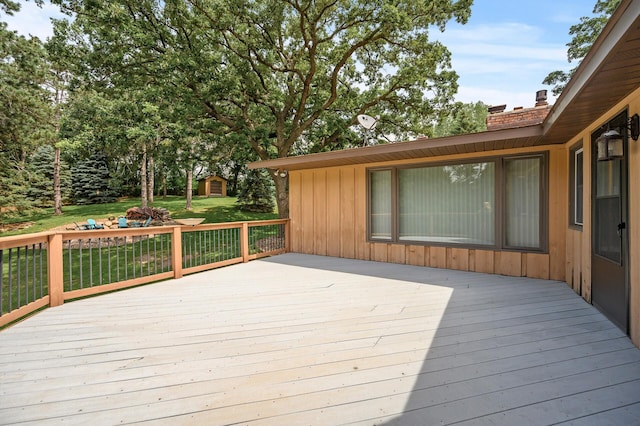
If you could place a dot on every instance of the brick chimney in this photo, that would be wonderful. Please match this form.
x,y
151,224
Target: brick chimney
x,y
519,117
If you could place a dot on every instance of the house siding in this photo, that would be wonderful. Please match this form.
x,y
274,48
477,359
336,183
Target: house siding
x,y
579,242
328,208
329,216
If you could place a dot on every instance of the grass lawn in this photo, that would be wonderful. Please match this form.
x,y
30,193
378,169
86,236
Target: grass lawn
x,y
214,210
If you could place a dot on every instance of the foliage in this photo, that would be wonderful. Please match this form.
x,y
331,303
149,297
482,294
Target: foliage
x,y
23,99
213,209
13,188
462,119
91,181
584,35
256,193
275,73
41,177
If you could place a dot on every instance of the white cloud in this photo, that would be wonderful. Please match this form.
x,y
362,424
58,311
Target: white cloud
x,y
503,32
502,62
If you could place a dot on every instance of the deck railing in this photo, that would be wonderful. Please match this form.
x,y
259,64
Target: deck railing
x,y
46,269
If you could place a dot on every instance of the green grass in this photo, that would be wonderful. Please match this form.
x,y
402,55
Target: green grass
x,y
111,262
214,210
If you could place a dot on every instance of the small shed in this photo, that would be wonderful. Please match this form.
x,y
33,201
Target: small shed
x,y
212,186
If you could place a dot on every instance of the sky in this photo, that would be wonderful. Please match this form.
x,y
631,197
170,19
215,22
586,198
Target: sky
x,y
501,55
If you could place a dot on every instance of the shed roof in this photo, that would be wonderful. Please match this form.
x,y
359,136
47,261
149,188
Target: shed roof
x,y
609,72
212,177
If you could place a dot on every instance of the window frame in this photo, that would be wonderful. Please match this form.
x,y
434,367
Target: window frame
x,y
574,151
500,202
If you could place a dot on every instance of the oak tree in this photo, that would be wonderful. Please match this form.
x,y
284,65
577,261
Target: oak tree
x,y
282,74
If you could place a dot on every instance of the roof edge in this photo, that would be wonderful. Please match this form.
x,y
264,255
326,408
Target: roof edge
x,y
615,29
361,155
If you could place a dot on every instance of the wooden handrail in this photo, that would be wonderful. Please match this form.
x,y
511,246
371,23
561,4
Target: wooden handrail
x,y
54,242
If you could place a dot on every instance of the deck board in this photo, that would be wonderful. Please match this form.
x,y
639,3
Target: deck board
x,y
298,339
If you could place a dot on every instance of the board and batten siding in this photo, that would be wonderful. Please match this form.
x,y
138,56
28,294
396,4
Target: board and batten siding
x,y
328,210
578,242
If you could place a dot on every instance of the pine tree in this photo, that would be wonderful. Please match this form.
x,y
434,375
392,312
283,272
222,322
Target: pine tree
x,y
13,188
256,193
91,181
41,177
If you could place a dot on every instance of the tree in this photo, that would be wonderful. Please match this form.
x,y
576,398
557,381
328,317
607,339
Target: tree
x,y
276,71
91,180
23,99
9,7
462,119
13,189
42,171
23,107
256,194
584,34
58,83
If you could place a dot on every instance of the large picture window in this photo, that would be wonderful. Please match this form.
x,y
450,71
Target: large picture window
x,y
448,204
493,203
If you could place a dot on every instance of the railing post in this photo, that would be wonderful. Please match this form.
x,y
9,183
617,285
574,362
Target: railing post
x,y
287,236
55,270
244,241
176,252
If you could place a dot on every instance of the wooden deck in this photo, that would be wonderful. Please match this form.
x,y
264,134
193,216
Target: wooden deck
x,y
307,340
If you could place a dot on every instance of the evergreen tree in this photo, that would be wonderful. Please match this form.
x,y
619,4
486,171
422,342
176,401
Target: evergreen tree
x,y
91,181
41,172
13,188
256,192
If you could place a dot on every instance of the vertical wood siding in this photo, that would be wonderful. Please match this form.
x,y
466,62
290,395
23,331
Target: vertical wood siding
x,y
340,196
329,217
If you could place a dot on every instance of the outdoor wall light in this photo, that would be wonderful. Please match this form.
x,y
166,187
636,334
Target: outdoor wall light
x,y
610,146
611,143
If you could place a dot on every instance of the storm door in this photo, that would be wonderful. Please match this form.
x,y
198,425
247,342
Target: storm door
x,y
609,260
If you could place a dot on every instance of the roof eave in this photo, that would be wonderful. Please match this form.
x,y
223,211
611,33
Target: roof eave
x,y
423,147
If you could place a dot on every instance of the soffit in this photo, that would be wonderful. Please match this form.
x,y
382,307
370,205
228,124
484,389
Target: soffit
x,y
608,74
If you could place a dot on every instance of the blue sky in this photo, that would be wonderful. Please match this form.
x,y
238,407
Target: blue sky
x,y
501,55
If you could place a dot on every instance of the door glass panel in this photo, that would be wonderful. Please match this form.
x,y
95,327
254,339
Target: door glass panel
x,y
608,243
608,178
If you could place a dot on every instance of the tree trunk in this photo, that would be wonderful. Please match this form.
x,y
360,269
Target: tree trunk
x,y
57,191
152,179
282,194
143,177
189,191
164,184
233,183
